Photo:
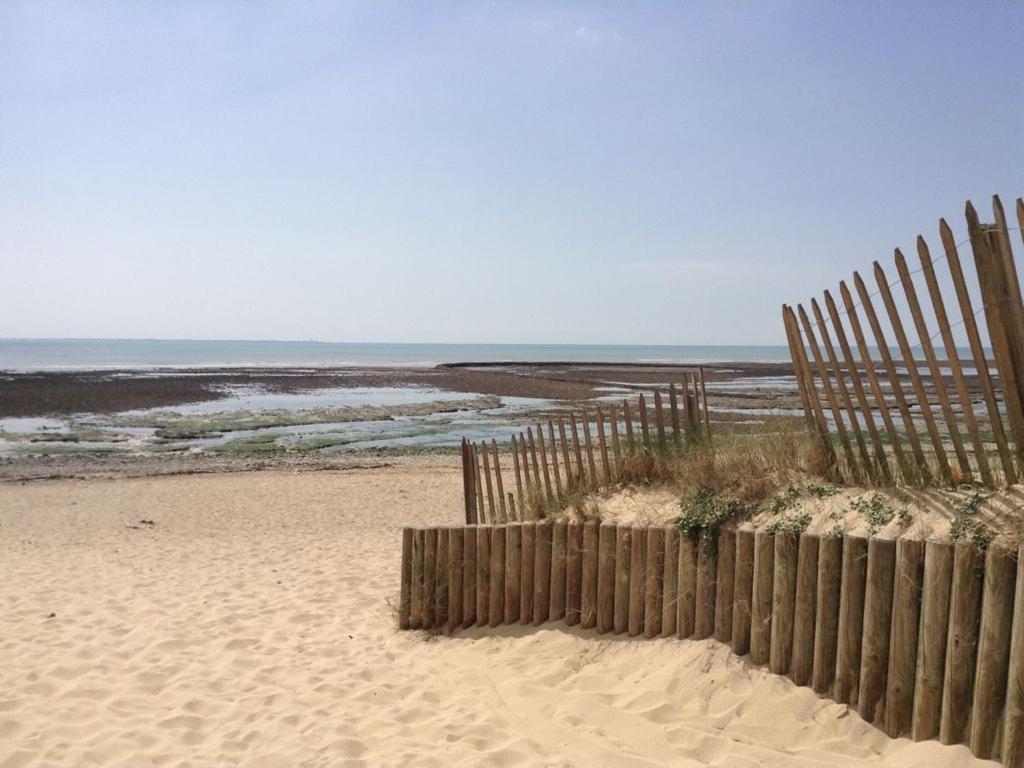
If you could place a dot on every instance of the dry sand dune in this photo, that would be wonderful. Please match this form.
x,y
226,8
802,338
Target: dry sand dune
x,y
251,625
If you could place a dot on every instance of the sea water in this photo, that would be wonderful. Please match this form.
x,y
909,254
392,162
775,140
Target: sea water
x,y
86,354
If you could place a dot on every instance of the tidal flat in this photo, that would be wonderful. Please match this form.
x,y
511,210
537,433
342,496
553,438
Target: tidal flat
x,y
156,420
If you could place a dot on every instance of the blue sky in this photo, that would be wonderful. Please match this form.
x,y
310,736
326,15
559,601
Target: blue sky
x,y
484,171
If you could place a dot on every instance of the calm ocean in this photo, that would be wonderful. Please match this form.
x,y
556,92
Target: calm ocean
x,y
85,354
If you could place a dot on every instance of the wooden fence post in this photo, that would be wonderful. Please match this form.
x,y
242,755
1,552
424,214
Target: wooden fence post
x,y
441,579
644,426
874,661
573,573
783,601
907,358
725,583
538,488
826,613
903,645
826,382
544,462
569,483
669,613
528,542
496,594
953,356
743,592
761,605
851,620
627,416
605,464
673,405
882,345
606,579
1000,317
481,516
844,394
653,590
491,508
468,489
613,417
886,476
623,550
659,421
469,569
1013,727
908,470
519,478
501,486
924,341
558,553
542,573
810,398
580,479
1013,307
513,572
637,579
595,481
707,576
795,342
405,596
961,645
527,481
686,613
801,665
456,562
416,591
554,462
977,351
588,597
704,400
483,576
931,651
430,578
993,652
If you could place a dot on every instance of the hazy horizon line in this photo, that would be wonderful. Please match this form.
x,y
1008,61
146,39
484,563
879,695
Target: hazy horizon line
x,y
369,343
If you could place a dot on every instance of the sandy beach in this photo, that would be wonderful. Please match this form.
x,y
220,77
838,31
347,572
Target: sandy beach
x,y
251,623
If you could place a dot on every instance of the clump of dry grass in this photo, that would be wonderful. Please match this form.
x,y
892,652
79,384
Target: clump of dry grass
x,y
749,467
744,467
572,504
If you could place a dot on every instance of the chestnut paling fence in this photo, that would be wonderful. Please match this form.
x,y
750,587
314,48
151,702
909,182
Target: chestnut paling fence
x,y
584,452
925,640
924,412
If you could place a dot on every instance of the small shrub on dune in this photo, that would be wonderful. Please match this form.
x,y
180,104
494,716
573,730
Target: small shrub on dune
x,y
965,525
703,513
792,524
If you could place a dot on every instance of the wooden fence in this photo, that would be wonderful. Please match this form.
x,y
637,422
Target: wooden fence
x,y
918,414
510,485
924,640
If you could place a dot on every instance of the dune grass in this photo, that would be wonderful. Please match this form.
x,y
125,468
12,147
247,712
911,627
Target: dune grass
x,y
718,479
